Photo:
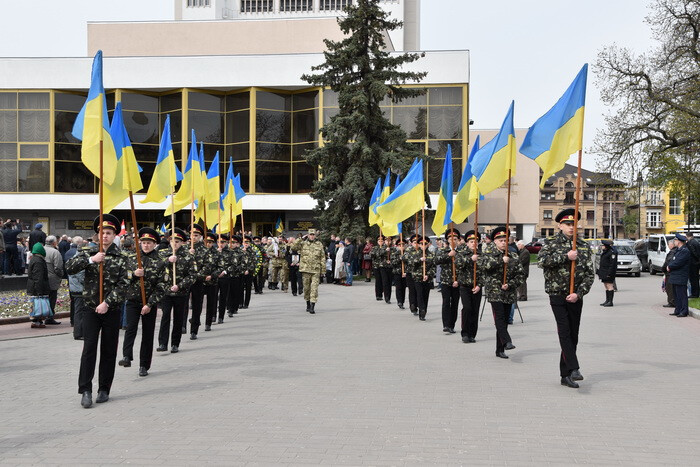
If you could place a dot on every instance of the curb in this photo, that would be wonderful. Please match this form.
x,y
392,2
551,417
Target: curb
x,y
695,313
26,319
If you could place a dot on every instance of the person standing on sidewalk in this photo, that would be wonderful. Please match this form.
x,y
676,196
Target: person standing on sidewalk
x,y
214,267
679,272
555,259
469,292
668,287
348,258
312,262
694,266
76,286
38,278
101,319
54,261
607,270
37,236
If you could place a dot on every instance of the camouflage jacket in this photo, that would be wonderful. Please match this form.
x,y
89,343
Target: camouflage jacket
x,y
445,261
276,260
397,261
312,255
493,275
465,267
184,269
259,257
379,257
557,267
250,259
213,266
234,261
116,275
155,279
413,256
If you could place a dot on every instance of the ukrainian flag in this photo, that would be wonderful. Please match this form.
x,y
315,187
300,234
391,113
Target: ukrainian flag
x,y
399,226
388,228
166,174
231,206
495,162
443,214
212,187
279,226
374,202
407,199
126,175
92,126
192,187
383,195
558,133
468,191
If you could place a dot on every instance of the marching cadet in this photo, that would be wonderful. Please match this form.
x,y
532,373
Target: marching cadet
x,y
449,285
261,271
470,293
381,262
101,320
496,258
236,269
555,259
398,270
312,263
213,267
199,253
251,264
422,283
224,279
181,265
155,279
407,258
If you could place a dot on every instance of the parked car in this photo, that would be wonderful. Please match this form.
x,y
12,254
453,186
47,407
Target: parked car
x,y
657,248
641,248
534,246
627,261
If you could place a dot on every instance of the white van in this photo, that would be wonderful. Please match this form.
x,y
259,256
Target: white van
x,y
658,248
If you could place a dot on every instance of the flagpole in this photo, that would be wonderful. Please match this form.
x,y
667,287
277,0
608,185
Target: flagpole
x,y
218,226
192,210
136,237
242,224
476,235
172,230
452,246
573,243
205,221
415,223
505,266
422,214
230,225
403,271
101,196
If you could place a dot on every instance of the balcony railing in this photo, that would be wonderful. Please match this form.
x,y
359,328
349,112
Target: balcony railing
x,y
655,225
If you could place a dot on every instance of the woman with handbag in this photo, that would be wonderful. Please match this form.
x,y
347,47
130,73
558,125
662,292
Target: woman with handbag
x,y
38,286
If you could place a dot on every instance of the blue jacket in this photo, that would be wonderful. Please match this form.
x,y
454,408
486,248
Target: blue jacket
x,y
679,266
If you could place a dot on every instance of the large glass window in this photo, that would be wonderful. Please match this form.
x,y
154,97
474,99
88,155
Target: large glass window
x,y
256,6
272,177
674,205
334,4
273,126
296,5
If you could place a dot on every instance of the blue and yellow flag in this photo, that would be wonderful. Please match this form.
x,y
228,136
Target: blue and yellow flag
x,y
383,195
468,191
399,226
166,174
495,162
407,199
232,204
279,226
92,126
212,202
373,218
126,175
443,213
559,133
164,229
192,186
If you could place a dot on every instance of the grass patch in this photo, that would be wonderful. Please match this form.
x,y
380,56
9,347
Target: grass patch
x,y
694,303
533,258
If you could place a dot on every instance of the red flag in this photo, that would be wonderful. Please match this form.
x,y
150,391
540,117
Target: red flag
x,y
123,230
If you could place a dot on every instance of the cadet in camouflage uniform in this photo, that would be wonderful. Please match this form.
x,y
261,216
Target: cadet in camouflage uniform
x,y
155,279
416,257
312,263
381,263
500,295
213,267
101,321
181,264
409,275
251,266
555,259
261,270
398,272
199,253
470,293
224,279
449,285
236,268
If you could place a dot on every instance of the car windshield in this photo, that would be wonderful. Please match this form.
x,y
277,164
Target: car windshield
x,y
624,250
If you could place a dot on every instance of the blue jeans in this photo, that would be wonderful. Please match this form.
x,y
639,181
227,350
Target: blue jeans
x,y
348,273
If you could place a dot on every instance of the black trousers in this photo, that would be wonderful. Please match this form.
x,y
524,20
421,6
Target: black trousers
x,y
680,293
259,281
211,293
450,305
387,275
223,286
104,328
53,296
411,285
197,300
568,318
296,281
235,294
470,311
148,330
400,285
246,285
378,282
77,306
694,278
422,294
176,306
501,312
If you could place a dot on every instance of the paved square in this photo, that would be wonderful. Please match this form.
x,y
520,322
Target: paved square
x,y
364,383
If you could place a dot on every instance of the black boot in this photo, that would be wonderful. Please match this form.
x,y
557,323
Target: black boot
x,y
312,308
609,296
308,306
421,314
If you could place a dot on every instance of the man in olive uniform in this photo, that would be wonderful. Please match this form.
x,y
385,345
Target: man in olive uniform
x,y
199,252
212,268
182,267
101,318
155,281
312,263
416,257
398,270
381,262
251,266
501,294
237,267
555,258
449,285
223,282
276,251
466,256
261,270
409,274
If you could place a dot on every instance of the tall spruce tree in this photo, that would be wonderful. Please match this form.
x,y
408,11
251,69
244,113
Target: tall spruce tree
x,y
360,143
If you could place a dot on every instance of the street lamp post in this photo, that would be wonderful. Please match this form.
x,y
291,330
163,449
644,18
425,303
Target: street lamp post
x,y
639,205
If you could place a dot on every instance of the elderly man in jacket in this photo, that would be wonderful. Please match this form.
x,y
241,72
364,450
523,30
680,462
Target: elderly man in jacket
x,y
54,262
679,271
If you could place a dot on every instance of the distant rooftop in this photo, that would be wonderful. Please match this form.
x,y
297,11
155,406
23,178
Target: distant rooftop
x,y
591,178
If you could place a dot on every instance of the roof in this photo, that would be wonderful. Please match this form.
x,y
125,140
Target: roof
x,y
591,178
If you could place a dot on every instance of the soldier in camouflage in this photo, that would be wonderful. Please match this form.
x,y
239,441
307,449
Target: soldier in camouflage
x,y
470,293
237,267
276,252
555,259
101,319
261,269
408,274
381,263
250,254
415,258
199,252
181,266
213,267
449,285
312,263
398,270
224,279
496,258
155,279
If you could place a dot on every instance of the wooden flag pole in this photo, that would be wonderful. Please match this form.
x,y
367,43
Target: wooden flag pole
x,y
206,229
230,225
99,231
192,214
505,266
172,232
573,242
136,243
218,226
403,270
476,235
415,223
452,246
242,225
422,211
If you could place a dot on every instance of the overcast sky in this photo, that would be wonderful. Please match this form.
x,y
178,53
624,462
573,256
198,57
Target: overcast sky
x,y
528,51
